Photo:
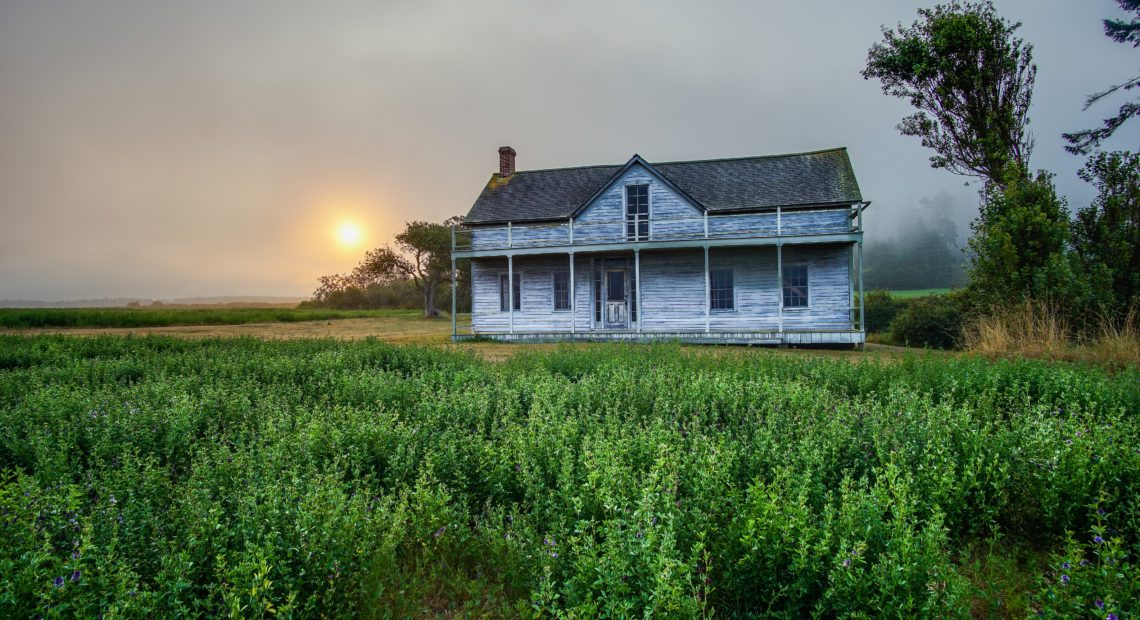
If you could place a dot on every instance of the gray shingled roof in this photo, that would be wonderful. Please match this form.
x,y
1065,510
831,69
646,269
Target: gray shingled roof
x,y
798,179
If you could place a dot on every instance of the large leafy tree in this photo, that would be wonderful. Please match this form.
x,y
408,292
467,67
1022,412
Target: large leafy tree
x,y
971,81
1019,246
1106,234
422,255
1121,31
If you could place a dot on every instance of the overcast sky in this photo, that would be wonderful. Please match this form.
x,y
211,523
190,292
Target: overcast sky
x,y
167,149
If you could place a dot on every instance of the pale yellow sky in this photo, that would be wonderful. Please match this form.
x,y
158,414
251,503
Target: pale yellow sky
x,y
176,149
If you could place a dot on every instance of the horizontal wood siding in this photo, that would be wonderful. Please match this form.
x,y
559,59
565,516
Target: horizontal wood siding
x,y
601,221
673,291
828,292
488,237
744,225
536,312
670,218
794,222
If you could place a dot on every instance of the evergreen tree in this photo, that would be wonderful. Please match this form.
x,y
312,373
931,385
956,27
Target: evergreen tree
x,y
1106,234
1020,246
1121,31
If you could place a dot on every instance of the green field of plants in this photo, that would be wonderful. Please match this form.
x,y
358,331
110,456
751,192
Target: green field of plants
x,y
15,318
160,477
919,292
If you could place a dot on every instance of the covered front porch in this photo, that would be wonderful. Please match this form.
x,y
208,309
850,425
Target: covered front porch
x,y
707,295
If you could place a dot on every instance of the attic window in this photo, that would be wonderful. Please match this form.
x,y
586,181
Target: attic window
x,y
636,212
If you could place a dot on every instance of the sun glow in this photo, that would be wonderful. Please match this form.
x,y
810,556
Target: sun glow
x,y
349,234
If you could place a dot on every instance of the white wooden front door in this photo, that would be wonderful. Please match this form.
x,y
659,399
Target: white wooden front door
x,y
617,299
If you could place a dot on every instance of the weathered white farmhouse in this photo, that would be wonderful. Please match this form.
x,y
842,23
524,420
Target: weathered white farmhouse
x,y
753,250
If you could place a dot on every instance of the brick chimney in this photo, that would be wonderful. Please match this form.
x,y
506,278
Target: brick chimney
x,y
506,161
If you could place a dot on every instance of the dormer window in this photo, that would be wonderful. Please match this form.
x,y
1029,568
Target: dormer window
x,y
636,212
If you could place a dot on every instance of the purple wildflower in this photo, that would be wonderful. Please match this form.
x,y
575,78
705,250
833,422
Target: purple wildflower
x,y
1064,579
553,554
1098,540
439,532
1099,603
548,542
1084,562
58,582
1110,616
847,563
1100,511
75,575
1065,566
112,500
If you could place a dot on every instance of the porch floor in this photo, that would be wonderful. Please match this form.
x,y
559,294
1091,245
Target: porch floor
x,y
798,337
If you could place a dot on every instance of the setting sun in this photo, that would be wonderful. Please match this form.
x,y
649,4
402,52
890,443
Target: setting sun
x,y
349,234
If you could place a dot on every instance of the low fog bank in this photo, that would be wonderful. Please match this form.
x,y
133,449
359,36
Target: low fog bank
x,y
916,246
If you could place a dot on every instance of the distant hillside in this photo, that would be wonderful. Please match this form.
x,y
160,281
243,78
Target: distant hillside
x,y
118,302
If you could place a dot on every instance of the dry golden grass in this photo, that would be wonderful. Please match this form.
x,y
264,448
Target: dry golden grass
x,y
1037,329
418,331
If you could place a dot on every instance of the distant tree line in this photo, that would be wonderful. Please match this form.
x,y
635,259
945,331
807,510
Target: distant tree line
x,y
926,252
414,274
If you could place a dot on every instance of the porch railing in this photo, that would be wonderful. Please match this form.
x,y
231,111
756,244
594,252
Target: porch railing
x,y
571,232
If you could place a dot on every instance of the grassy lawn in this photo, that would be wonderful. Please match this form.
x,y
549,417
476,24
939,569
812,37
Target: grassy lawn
x,y
919,292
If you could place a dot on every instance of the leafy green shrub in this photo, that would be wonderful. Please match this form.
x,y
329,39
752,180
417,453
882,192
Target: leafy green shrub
x,y
929,322
879,309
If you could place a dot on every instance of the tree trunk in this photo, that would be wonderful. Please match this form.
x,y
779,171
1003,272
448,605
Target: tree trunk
x,y
429,300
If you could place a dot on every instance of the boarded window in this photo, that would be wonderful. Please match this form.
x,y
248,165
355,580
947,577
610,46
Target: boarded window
x,y
720,289
561,290
795,286
504,294
636,212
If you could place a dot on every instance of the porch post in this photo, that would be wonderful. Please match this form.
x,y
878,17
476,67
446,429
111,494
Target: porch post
x,y
453,289
637,284
862,326
780,285
511,292
453,332
708,294
851,284
573,306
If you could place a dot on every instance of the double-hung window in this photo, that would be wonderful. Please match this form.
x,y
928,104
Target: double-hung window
x,y
795,286
721,290
505,295
636,212
561,290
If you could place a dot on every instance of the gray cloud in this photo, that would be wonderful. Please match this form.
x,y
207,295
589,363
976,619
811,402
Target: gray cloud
x,y
171,149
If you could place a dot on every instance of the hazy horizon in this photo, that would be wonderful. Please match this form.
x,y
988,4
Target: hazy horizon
x,y
172,151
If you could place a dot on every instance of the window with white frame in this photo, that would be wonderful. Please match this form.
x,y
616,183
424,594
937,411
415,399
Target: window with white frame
x,y
561,290
796,286
636,212
504,294
721,295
